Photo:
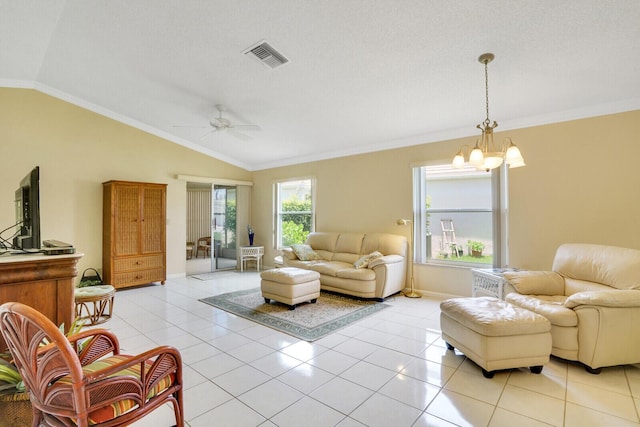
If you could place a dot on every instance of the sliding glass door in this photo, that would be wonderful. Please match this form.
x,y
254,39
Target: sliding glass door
x,y
223,228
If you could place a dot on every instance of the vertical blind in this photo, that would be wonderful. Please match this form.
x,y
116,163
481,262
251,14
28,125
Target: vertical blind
x,y
198,213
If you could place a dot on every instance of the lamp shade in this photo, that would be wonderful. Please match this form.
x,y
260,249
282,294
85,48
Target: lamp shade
x,y
458,160
491,161
513,157
476,157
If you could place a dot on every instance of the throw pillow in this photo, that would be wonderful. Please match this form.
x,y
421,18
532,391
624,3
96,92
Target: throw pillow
x,y
363,261
305,253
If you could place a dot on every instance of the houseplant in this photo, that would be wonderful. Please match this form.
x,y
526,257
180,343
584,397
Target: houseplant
x,y
475,247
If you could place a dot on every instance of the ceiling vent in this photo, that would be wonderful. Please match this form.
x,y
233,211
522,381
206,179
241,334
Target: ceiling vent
x,y
267,55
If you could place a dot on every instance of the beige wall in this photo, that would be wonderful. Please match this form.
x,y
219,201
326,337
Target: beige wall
x,y
579,185
77,150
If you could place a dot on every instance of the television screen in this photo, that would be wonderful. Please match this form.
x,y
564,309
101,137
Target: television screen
x,y
28,212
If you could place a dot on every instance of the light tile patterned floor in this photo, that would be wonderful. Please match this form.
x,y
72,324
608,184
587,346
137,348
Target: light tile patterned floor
x,y
390,369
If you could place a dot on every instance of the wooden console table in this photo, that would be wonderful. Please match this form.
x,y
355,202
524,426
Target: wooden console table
x,y
44,282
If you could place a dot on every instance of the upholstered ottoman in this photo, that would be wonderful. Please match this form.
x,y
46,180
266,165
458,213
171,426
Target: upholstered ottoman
x,y
495,334
290,285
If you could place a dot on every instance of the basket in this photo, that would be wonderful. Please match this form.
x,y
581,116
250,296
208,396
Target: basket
x,y
16,410
90,277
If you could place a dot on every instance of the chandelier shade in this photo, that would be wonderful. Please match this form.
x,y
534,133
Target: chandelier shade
x,y
485,155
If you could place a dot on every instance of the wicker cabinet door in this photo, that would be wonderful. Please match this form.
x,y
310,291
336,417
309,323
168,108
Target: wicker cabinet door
x,y
153,220
134,234
127,220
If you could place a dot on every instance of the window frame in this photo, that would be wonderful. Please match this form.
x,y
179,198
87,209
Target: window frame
x,y
277,211
499,217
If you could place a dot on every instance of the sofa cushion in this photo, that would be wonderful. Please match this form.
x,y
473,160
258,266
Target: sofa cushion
x,y
550,306
329,268
301,264
348,247
536,282
305,252
322,241
357,273
610,265
387,244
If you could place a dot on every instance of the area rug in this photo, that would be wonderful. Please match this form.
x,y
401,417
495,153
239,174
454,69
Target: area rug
x,y
308,321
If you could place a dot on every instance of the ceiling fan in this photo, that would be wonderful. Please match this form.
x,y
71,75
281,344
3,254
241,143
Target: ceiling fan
x,y
222,124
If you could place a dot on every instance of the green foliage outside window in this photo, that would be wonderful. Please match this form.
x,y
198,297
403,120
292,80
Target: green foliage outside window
x,y
230,222
296,220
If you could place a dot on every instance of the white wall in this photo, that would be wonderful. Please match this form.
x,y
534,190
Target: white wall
x,y
77,150
579,184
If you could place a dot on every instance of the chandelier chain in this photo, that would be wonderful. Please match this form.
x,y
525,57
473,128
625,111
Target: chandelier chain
x,y
486,90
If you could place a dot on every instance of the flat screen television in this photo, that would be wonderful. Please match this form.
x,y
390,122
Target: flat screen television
x,y
28,212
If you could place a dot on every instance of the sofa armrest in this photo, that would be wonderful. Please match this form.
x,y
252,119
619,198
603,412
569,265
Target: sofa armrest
x,y
387,259
390,274
288,253
612,298
536,282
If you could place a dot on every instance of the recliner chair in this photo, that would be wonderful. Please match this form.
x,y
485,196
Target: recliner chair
x,y
592,299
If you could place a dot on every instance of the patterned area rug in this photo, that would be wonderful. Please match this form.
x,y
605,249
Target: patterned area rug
x,y
308,321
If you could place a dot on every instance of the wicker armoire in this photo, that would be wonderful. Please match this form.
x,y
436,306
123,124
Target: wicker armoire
x,y
134,233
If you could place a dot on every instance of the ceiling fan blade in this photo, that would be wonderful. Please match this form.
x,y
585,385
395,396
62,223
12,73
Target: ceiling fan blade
x,y
247,127
188,126
207,133
238,135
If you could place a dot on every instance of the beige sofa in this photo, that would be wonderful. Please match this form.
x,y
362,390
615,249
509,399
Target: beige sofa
x,y
592,299
338,252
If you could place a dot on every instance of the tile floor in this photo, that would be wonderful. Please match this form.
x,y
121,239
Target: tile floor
x,y
390,369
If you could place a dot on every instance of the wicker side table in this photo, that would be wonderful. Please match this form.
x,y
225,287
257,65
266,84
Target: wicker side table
x,y
489,281
251,253
94,303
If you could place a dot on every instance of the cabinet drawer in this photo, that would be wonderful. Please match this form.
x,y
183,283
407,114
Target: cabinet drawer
x,y
132,278
138,263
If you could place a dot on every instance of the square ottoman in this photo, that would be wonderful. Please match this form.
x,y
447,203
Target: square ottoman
x,y
495,334
290,285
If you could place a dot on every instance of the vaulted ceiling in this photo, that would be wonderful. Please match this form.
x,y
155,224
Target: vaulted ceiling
x,y
362,75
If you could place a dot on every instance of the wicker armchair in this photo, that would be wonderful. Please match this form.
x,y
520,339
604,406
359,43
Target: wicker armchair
x,y
204,245
83,380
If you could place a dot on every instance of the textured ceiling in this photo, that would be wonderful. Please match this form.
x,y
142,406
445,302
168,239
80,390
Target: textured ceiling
x,y
363,75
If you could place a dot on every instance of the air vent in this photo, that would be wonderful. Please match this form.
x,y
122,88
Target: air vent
x,y
266,54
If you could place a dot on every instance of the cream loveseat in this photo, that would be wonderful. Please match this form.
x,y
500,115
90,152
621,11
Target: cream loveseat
x,y
337,255
592,300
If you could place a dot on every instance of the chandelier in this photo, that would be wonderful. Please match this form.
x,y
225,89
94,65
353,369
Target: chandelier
x,y
484,155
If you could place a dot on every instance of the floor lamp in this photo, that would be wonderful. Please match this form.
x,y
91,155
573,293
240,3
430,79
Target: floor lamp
x,y
412,293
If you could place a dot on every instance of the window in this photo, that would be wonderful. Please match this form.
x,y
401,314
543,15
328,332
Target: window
x,y
295,211
460,215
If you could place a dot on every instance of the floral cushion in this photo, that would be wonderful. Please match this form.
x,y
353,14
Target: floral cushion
x,y
305,253
363,261
123,406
